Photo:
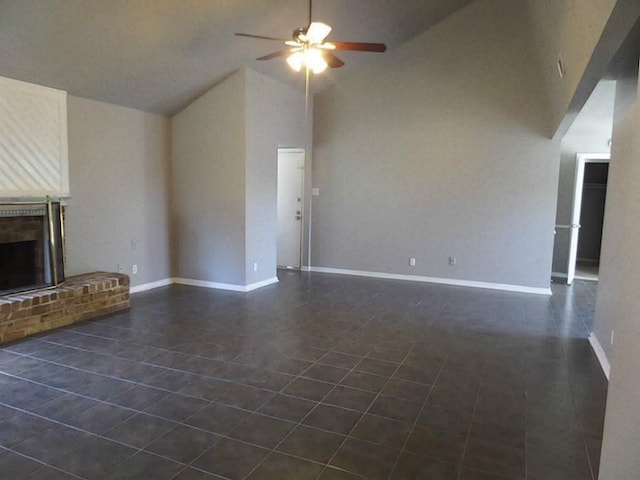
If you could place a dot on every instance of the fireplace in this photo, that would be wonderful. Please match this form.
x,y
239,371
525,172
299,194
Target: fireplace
x,y
18,265
30,246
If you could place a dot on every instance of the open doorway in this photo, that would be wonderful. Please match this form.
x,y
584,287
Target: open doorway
x,y
290,206
590,189
591,132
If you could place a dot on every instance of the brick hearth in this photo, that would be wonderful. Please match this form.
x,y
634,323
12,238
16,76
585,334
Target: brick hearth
x,y
80,298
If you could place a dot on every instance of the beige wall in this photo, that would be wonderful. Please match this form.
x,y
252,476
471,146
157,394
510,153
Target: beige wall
x,y
437,149
618,300
208,173
275,117
119,178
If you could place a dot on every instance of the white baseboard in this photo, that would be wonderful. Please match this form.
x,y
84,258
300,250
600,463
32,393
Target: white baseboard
x,y
559,275
304,268
151,285
225,286
438,280
601,354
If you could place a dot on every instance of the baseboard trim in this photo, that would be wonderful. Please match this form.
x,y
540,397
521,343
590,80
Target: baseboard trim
x,y
225,286
438,280
304,268
151,285
559,275
600,354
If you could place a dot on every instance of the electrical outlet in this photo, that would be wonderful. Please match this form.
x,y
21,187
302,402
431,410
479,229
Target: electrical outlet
x,y
453,261
134,269
120,268
412,262
255,266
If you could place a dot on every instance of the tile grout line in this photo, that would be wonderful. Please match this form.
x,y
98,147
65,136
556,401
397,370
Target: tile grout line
x,y
366,412
415,422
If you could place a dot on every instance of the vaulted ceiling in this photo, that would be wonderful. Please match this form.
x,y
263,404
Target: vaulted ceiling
x,y
158,55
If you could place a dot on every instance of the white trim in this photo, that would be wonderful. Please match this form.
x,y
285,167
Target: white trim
x,y
263,283
305,268
439,280
151,285
601,354
225,286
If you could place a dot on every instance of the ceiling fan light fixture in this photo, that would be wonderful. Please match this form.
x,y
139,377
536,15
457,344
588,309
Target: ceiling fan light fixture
x,y
310,58
296,61
315,61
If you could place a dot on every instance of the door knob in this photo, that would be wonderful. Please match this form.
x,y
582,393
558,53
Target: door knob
x,y
298,217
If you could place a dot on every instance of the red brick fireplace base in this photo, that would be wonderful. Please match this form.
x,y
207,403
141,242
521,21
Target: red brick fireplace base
x,y
78,298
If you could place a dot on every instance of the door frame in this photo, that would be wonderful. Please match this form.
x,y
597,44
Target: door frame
x,y
576,207
302,201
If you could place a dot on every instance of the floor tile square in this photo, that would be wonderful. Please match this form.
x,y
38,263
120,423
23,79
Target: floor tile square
x,y
263,431
383,431
277,465
94,458
217,418
183,444
325,373
230,459
396,408
496,459
144,466
177,407
140,430
350,398
363,458
416,467
309,389
333,419
364,381
288,408
448,447
311,443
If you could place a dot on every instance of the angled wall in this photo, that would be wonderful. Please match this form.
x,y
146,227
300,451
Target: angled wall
x,y
225,179
208,170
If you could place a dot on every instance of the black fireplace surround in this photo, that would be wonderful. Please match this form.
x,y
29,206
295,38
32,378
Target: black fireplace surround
x,y
31,246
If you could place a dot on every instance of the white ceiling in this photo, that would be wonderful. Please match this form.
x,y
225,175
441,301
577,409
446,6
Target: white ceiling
x,y
158,55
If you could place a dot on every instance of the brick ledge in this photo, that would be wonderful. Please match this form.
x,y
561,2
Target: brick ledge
x,y
79,298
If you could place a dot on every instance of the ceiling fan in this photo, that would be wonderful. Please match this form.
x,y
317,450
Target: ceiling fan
x,y
309,49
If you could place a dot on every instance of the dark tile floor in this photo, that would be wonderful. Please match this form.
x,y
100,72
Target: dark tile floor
x,y
319,377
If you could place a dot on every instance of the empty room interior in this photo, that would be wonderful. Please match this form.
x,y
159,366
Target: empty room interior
x,y
327,240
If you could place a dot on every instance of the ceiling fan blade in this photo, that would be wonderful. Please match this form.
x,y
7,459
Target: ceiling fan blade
x,y
332,60
260,37
360,47
280,53
317,32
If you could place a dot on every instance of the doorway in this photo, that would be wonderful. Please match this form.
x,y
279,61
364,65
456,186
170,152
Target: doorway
x,y
290,206
587,216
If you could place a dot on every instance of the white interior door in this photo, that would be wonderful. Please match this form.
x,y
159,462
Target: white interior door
x,y
574,226
290,185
